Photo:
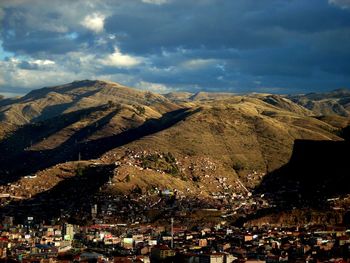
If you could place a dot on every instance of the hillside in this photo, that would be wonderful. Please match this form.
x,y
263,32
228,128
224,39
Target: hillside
x,y
312,188
198,96
285,104
178,96
207,147
49,102
336,102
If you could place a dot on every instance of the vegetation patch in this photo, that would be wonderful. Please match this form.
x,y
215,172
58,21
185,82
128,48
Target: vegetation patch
x,y
140,110
164,162
80,170
238,166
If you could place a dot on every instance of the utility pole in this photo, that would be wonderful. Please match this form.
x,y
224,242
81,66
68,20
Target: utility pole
x,y
172,232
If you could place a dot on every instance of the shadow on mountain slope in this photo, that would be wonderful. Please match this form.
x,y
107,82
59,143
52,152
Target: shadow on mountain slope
x,y
43,92
31,134
71,197
58,109
317,171
93,149
33,161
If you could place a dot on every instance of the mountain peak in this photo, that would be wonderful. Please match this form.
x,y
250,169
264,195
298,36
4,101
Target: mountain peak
x,y
50,101
88,83
85,82
75,88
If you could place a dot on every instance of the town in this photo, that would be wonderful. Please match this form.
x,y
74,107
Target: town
x,y
159,224
35,241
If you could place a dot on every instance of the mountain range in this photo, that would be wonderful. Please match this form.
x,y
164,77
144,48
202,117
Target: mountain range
x,y
201,145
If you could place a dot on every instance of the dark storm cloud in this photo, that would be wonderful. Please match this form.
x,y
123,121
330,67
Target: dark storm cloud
x,y
303,16
210,24
285,45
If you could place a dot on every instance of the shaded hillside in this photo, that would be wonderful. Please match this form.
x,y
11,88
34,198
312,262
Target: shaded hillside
x,y
345,133
70,197
300,191
339,122
316,171
336,102
286,104
77,146
335,94
28,135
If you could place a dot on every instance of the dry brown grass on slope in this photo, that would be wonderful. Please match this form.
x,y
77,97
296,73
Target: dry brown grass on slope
x,y
49,102
335,121
235,136
285,104
239,134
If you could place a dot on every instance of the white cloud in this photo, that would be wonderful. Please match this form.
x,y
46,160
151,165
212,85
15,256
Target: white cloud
x,y
40,63
45,62
2,81
341,3
194,64
117,59
94,22
155,2
155,87
48,73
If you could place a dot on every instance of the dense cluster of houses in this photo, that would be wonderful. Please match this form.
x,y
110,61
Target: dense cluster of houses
x,y
221,243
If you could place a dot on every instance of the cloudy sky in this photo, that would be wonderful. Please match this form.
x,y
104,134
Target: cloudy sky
x,y
281,46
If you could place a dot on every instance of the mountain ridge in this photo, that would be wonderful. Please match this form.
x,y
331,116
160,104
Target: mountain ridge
x,y
74,96
203,147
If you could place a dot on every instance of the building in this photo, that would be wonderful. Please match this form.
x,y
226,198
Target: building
x,y
161,252
68,232
212,258
202,242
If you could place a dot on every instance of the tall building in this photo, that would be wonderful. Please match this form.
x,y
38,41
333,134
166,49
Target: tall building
x,y
68,232
94,211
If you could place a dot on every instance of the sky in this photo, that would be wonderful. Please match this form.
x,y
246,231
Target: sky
x,y
277,46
